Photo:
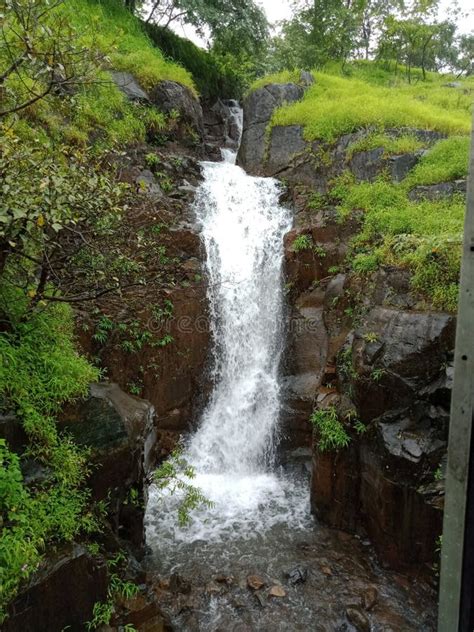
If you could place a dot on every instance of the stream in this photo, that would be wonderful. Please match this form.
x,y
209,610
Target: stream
x,y
256,559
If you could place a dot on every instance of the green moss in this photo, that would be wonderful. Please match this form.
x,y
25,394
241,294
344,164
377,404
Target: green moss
x,y
336,105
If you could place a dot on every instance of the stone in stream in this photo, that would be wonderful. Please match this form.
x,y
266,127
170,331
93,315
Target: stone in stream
x,y
369,598
224,579
179,584
358,619
277,591
298,576
255,582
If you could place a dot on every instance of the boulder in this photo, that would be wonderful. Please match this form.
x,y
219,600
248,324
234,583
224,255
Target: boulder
x,y
306,78
368,165
119,430
409,349
285,143
171,96
130,87
258,109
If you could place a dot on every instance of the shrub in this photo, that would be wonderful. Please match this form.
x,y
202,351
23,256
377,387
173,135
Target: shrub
x,y
39,371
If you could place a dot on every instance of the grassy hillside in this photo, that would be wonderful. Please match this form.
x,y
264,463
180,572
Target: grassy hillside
x,y
424,236
337,105
99,114
108,26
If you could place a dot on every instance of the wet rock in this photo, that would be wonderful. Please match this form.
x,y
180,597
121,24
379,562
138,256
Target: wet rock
x,y
277,591
261,598
224,579
130,87
409,348
438,191
298,576
255,582
147,183
369,598
285,143
367,165
61,594
179,584
258,108
358,619
172,96
214,588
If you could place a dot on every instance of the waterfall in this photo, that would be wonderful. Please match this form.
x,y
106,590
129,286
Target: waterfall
x,y
242,227
233,448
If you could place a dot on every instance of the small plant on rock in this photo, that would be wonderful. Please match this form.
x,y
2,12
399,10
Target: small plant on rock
x,y
332,434
302,242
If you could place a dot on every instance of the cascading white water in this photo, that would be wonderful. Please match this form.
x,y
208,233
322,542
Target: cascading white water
x,y
242,228
232,450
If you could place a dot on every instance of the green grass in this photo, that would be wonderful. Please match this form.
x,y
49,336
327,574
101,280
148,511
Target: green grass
x,y
336,105
448,160
99,115
423,236
392,146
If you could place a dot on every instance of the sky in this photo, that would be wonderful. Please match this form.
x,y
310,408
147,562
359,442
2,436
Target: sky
x,y
281,10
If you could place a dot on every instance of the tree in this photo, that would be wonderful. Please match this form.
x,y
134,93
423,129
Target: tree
x,y
465,55
38,55
233,25
373,15
417,43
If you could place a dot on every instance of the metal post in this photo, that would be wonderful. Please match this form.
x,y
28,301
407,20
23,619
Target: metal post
x,y
454,603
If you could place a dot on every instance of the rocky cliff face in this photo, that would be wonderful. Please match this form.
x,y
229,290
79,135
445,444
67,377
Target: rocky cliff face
x,y
359,344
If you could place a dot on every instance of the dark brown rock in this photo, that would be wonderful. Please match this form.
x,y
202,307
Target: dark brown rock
x,y
255,582
358,619
61,594
335,488
369,598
